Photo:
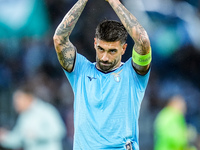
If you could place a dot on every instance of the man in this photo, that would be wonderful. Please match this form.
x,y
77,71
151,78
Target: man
x,y
39,126
108,93
171,132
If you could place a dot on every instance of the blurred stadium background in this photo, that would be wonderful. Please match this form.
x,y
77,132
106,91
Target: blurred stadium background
x,y
27,53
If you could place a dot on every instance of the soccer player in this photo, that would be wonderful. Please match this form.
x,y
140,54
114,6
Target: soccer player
x,y
108,93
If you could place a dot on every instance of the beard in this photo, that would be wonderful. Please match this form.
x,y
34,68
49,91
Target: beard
x,y
105,66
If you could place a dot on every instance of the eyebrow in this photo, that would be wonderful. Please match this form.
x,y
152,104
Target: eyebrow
x,y
100,47
114,49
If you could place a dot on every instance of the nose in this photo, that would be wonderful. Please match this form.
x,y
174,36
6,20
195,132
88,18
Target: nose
x,y
105,57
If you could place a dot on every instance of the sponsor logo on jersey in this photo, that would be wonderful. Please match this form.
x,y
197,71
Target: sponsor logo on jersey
x,y
117,76
91,78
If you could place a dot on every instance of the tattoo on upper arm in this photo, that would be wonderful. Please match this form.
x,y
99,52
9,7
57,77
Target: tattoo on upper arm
x,y
142,70
64,48
63,41
66,57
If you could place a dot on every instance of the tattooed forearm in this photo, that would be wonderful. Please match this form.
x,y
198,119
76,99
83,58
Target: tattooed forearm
x,y
63,29
64,48
135,30
66,26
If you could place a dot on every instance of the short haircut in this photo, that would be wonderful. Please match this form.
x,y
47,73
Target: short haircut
x,y
111,31
26,88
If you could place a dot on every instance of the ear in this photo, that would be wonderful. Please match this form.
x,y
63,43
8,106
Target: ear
x,y
95,41
124,48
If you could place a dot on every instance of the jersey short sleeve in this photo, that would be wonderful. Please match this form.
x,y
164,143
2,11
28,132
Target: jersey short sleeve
x,y
141,80
81,63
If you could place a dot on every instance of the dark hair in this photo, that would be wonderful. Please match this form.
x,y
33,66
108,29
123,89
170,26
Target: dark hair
x,y
26,88
111,31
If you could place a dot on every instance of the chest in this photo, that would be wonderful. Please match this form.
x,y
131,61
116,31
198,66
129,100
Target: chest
x,y
100,90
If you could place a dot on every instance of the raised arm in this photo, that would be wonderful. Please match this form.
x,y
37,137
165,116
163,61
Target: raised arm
x,y
138,34
64,48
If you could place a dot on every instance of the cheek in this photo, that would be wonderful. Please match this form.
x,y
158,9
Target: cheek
x,y
20,102
97,56
117,59
97,52
17,105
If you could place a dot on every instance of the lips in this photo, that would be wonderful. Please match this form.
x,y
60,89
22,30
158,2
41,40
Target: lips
x,y
105,63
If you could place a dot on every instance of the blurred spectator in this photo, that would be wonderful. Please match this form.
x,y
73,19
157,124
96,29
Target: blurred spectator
x,y
39,125
171,132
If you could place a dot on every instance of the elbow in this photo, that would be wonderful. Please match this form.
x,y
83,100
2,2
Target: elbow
x,y
142,40
146,44
56,39
57,43
59,40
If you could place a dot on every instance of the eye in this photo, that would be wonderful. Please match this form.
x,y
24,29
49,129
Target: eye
x,y
113,51
100,49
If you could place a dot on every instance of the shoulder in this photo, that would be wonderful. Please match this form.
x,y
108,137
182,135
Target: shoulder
x,y
140,80
44,107
82,64
129,65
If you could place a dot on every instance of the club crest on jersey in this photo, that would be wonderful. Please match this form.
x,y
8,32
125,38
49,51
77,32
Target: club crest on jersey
x,y
117,76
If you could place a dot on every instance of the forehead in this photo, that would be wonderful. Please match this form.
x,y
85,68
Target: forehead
x,y
108,45
18,95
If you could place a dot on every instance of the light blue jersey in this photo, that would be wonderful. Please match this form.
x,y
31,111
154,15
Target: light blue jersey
x,y
106,105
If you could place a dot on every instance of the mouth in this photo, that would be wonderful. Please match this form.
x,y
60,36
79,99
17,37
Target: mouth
x,y
105,64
